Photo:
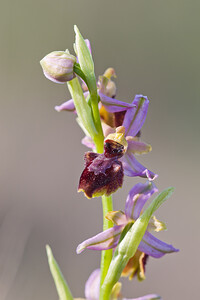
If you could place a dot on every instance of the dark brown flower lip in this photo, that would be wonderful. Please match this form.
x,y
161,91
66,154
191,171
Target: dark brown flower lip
x,y
102,175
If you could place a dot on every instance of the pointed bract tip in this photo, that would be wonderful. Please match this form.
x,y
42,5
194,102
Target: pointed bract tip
x,y
76,29
169,191
48,250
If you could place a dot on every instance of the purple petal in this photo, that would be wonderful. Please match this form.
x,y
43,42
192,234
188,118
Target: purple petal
x,y
135,117
155,247
92,286
114,105
107,129
137,198
69,106
137,147
88,142
147,297
133,168
117,217
51,78
105,240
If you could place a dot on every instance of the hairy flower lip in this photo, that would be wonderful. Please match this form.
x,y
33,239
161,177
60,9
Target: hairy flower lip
x,y
103,173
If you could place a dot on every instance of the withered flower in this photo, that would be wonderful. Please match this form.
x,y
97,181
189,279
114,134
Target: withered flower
x,y
136,266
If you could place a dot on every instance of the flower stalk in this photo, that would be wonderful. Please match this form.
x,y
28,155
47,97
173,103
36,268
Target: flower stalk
x,y
106,255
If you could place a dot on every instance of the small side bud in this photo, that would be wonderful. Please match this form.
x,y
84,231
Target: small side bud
x,y
106,85
58,66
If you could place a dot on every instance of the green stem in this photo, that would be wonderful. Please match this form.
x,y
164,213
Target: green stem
x,y
97,121
79,72
106,255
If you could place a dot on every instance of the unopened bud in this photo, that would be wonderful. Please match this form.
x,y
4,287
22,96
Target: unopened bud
x,y
110,72
58,66
106,85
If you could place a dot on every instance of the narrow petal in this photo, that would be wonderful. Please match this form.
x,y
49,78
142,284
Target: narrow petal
x,y
92,286
147,297
69,106
155,247
133,168
117,217
137,147
137,198
105,240
107,129
135,117
114,105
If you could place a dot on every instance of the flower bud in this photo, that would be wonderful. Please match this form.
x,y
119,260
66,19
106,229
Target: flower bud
x,y
58,66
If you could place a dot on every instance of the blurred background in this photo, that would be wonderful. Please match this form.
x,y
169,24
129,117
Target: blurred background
x,y
154,47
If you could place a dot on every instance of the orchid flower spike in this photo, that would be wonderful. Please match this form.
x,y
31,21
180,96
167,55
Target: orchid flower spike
x,y
150,245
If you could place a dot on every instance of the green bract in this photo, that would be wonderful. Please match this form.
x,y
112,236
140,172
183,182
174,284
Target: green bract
x,y
87,67
61,285
129,244
85,61
82,108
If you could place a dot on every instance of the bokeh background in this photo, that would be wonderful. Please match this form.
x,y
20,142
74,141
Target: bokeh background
x,y
154,47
